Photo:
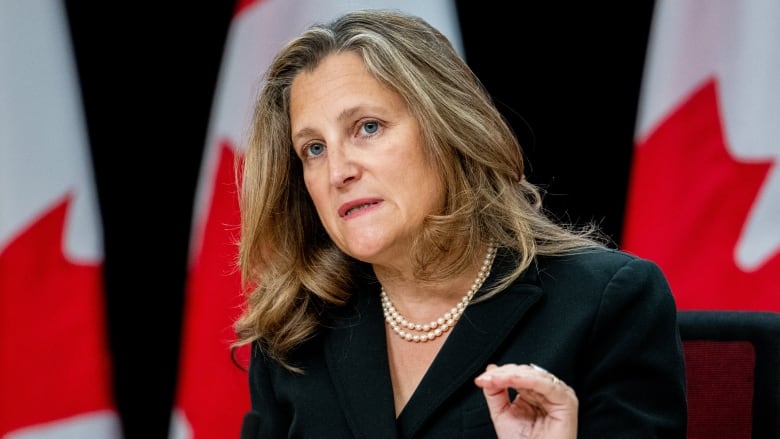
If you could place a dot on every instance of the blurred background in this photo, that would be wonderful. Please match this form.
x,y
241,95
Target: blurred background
x,y
567,77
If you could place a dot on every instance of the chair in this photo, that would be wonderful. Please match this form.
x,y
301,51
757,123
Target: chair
x,y
733,373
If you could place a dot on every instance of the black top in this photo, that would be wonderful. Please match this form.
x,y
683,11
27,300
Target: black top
x,y
603,321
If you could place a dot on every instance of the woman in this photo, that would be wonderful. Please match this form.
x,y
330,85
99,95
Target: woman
x,y
403,278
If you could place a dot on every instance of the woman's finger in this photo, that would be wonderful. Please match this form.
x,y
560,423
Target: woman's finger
x,y
533,383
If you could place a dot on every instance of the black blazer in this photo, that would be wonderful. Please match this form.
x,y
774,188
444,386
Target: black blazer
x,y
603,321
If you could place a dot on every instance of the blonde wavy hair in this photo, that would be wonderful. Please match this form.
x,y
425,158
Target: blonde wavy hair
x,y
291,269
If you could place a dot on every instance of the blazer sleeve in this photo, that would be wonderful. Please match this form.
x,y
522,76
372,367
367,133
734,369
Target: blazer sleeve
x,y
250,427
635,372
266,418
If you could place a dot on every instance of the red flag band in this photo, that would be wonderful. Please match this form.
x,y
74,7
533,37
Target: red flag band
x,y
55,371
704,195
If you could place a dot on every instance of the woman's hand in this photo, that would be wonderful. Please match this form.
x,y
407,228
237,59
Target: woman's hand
x,y
544,406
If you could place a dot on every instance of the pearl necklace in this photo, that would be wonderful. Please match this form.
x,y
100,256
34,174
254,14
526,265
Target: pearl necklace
x,y
429,331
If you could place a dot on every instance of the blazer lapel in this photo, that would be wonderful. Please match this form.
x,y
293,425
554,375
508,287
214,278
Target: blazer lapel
x,y
465,353
356,354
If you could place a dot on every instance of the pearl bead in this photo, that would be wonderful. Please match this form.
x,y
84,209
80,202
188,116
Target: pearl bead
x,y
430,331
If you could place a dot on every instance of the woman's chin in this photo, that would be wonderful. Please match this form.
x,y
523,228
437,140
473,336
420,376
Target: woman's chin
x,y
365,251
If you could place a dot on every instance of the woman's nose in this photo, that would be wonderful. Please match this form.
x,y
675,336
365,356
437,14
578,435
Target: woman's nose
x,y
342,166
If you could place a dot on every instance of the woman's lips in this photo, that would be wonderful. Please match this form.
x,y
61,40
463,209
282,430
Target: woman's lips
x,y
356,207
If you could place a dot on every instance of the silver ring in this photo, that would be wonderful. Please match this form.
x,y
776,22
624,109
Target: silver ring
x,y
554,378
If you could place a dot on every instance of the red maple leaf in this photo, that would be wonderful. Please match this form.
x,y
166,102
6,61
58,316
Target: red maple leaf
x,y
212,390
688,203
54,361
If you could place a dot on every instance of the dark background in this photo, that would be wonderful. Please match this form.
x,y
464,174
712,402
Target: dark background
x,y
565,74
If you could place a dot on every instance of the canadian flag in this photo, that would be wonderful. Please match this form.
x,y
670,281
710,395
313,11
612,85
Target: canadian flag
x,y
704,195
212,392
55,370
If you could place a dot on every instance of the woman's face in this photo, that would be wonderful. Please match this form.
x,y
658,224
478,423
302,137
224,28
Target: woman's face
x,y
363,160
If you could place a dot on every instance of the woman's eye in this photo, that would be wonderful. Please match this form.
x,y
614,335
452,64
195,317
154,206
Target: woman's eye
x,y
315,149
370,127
